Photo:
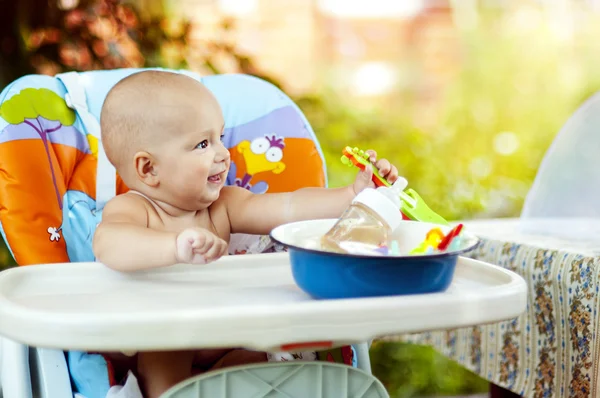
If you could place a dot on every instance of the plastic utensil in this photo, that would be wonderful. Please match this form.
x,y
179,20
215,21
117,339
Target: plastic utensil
x,y
454,232
432,240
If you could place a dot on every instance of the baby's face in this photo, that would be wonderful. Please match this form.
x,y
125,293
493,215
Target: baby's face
x,y
193,166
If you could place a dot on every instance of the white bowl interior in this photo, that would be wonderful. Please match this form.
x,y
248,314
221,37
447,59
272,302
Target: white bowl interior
x,y
307,234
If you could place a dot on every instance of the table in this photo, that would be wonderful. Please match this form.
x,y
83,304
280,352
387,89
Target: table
x,y
551,350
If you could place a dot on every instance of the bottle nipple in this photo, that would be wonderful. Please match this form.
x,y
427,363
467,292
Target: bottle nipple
x,y
399,185
393,192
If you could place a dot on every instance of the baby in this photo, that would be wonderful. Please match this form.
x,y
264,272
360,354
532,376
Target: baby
x,y
162,131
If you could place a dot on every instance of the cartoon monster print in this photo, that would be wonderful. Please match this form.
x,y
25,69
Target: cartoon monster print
x,y
263,154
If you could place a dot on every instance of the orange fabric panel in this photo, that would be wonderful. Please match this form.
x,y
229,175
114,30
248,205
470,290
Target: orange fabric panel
x,y
67,158
83,178
121,187
28,190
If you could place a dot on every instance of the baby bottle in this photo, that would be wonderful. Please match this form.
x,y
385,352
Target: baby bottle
x,y
368,222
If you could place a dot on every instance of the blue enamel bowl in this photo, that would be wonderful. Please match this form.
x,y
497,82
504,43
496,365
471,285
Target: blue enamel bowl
x,y
327,275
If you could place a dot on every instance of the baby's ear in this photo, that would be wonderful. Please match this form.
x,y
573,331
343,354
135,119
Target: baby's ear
x,y
145,171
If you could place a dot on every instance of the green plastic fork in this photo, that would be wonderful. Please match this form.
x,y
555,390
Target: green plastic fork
x,y
412,205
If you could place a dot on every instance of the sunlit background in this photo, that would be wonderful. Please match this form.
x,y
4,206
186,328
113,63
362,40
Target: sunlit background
x,y
464,96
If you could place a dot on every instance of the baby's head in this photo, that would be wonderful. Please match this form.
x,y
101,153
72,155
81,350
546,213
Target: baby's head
x,y
162,132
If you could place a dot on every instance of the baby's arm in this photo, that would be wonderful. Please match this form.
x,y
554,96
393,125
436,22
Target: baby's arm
x,y
259,214
124,242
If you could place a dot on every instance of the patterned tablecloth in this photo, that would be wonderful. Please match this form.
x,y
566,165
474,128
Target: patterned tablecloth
x,y
552,349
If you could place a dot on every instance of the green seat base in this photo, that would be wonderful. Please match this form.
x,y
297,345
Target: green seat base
x,y
282,380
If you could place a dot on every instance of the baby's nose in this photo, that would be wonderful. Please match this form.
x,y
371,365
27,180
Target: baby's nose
x,y
221,154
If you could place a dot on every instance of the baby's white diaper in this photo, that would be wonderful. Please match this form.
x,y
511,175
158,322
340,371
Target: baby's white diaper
x,y
131,389
292,356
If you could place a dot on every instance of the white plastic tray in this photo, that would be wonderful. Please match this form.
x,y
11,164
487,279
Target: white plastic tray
x,y
239,301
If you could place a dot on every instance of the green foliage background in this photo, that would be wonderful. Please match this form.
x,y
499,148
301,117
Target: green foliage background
x,y
524,80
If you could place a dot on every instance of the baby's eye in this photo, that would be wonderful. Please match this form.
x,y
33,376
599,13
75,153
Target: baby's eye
x,y
222,137
203,144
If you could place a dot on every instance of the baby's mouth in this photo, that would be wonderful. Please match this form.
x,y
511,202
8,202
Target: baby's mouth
x,y
217,178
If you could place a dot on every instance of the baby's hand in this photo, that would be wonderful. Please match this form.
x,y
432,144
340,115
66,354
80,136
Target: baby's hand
x,y
199,246
364,178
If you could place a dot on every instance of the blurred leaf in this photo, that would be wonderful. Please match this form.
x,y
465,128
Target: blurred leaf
x,y
408,370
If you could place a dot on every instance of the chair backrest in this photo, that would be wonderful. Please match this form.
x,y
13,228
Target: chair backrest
x,y
568,181
49,156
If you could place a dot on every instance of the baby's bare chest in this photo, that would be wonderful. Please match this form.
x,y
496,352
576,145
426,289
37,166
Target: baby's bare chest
x,y
210,220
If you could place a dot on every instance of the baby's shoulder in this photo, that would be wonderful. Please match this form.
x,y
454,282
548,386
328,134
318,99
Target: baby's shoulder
x,y
129,199
129,206
219,206
229,197
232,194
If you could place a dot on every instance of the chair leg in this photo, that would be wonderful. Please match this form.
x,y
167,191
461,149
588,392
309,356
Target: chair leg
x,y
362,356
15,378
50,374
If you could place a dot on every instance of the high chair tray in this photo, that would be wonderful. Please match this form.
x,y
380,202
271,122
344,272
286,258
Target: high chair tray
x,y
239,301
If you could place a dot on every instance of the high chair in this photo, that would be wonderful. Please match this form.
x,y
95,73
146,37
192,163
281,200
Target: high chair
x,y
56,179
54,182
